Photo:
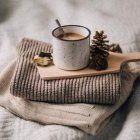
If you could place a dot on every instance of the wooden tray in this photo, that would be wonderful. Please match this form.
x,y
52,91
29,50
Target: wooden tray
x,y
114,61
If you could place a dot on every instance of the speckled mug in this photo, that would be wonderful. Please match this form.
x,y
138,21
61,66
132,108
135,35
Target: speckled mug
x,y
71,54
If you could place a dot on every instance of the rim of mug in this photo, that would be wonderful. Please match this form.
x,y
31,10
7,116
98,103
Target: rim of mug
x,y
89,33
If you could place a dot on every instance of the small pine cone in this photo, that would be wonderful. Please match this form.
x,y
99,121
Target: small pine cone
x,y
115,48
98,62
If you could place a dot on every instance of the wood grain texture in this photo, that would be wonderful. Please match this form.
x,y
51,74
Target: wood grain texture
x,y
115,61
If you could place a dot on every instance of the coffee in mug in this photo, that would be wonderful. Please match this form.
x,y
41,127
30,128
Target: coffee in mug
x,y
70,36
72,50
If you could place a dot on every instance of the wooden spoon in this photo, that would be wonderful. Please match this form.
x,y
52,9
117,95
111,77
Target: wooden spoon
x,y
115,61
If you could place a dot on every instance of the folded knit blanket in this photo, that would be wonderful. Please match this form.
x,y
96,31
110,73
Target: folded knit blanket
x,y
91,118
26,82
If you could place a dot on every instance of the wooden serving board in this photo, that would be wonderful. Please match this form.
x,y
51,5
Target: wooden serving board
x,y
114,61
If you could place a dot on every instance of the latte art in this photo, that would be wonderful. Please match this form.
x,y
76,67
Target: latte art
x,y
71,36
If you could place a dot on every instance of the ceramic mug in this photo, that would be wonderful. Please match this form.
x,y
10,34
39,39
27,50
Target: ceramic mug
x,y
71,54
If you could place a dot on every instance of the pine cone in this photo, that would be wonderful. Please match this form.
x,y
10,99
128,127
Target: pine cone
x,y
98,62
99,48
95,50
100,40
98,53
98,58
115,48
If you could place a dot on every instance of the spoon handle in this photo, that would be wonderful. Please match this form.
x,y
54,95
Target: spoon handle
x,y
58,23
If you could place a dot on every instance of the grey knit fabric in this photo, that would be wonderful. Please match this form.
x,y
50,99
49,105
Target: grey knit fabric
x,y
26,82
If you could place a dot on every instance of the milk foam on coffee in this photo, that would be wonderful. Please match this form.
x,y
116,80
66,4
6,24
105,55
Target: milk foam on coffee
x,y
71,36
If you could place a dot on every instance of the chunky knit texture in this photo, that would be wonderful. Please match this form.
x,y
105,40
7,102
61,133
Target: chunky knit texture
x,y
26,82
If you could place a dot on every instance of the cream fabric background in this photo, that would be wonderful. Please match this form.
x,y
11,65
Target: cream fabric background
x,y
35,19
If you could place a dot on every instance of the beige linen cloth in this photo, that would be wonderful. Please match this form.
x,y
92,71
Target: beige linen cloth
x,y
88,117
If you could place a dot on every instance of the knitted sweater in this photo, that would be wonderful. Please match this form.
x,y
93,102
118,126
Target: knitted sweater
x,y
26,82
88,117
